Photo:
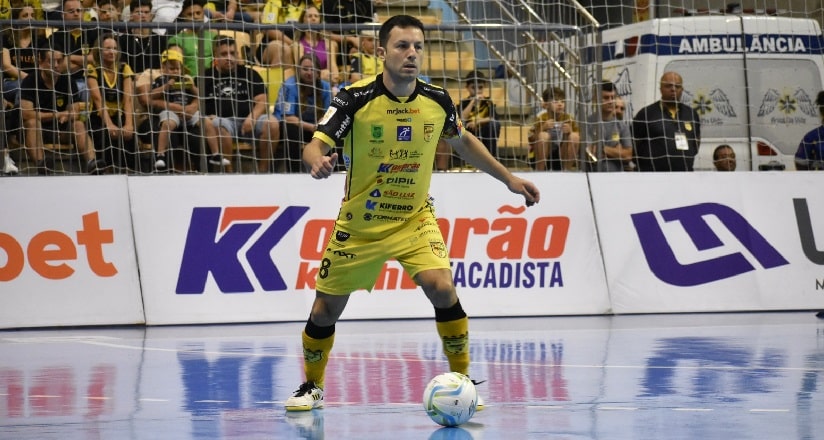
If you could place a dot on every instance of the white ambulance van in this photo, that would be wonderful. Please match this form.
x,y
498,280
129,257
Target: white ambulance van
x,y
752,79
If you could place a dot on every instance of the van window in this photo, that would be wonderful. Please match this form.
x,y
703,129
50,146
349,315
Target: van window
x,y
716,89
781,104
782,96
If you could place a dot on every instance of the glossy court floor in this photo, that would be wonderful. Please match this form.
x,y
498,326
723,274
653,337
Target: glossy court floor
x,y
700,376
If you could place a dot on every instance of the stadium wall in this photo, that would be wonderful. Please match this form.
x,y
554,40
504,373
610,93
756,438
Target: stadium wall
x,y
157,250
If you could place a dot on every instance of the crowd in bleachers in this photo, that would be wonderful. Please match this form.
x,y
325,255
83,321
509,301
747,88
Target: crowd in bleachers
x,y
99,98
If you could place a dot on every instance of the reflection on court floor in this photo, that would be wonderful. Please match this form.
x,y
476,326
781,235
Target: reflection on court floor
x,y
710,376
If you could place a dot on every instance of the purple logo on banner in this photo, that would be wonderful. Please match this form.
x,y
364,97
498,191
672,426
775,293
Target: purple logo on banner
x,y
215,238
667,268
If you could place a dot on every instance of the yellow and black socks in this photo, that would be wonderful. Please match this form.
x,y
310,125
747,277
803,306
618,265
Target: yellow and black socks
x,y
317,343
453,328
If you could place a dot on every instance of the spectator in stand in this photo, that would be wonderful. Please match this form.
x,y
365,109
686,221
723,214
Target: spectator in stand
x,y
174,97
227,10
111,88
313,42
620,108
365,63
89,10
337,12
667,133
74,43
603,129
554,136
303,99
189,38
237,103
20,44
724,158
478,115
280,12
19,57
142,47
7,8
108,12
51,111
810,153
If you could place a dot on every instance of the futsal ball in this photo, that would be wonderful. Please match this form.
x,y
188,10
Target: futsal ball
x,y
450,399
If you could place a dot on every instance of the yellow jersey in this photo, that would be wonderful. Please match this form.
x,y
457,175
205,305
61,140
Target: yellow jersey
x,y
389,146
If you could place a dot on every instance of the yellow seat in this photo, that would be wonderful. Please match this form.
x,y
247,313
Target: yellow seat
x,y
273,77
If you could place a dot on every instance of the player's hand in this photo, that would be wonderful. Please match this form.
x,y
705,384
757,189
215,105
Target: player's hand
x,y
527,189
324,166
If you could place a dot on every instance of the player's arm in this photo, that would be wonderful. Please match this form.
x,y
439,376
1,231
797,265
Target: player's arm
x,y
474,151
319,164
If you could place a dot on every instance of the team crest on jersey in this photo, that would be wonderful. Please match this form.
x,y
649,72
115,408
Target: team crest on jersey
x,y
377,131
438,248
428,131
687,126
60,102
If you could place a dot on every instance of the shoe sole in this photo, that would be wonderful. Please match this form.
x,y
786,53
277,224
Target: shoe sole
x,y
305,407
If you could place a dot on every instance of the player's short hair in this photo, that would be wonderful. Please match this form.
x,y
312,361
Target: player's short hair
x,y
401,21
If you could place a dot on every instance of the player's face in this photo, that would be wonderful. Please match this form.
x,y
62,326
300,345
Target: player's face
x,y
403,54
672,86
226,57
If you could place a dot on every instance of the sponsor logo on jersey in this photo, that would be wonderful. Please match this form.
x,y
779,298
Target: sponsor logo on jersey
x,y
404,133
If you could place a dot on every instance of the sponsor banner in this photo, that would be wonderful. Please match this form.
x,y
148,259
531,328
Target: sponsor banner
x,y
66,253
248,248
697,242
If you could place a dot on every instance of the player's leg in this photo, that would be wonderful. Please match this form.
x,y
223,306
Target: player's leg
x,y
428,264
339,275
450,318
318,338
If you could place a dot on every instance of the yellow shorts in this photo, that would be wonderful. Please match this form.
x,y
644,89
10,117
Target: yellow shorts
x,y
351,262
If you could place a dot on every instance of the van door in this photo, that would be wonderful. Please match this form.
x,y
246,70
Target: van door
x,y
782,106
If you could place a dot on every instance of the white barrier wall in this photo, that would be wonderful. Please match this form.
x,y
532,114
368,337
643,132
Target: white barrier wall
x,y
67,253
697,242
219,249
247,249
